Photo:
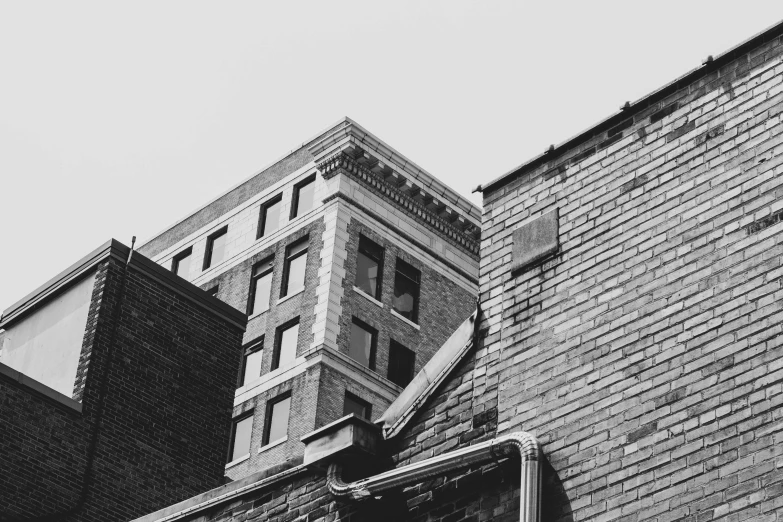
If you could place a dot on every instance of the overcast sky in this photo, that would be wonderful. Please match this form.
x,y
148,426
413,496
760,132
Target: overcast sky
x,y
117,119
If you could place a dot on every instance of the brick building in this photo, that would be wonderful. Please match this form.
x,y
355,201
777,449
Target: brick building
x,y
353,265
115,376
629,348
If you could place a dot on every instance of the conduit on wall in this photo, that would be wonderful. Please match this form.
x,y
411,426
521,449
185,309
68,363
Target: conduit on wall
x,y
519,443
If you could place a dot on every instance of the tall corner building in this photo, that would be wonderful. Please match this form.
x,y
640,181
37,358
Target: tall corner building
x,y
353,265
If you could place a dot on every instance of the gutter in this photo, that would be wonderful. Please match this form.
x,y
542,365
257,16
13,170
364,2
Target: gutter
x,y
518,443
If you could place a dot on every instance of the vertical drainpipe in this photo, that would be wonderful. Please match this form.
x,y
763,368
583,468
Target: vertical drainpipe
x,y
519,443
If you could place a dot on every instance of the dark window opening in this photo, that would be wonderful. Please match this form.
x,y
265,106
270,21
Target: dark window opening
x,y
269,218
357,406
294,268
304,194
276,423
260,286
241,432
286,340
369,268
216,248
251,362
407,281
212,291
363,340
180,265
401,364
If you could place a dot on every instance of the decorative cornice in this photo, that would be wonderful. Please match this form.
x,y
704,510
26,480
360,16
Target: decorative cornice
x,y
343,161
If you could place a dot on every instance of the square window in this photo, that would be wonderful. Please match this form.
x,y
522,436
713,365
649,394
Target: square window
x,y
260,286
251,362
406,291
357,406
269,218
304,193
401,364
369,268
180,265
216,248
285,344
363,340
277,413
294,268
241,432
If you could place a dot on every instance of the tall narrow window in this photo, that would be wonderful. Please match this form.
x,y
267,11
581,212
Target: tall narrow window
x,y
357,406
369,266
251,362
216,248
294,268
401,364
269,218
304,193
407,280
277,413
180,265
241,432
285,344
260,287
363,340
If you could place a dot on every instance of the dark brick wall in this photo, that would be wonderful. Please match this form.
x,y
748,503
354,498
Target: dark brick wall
x,y
161,436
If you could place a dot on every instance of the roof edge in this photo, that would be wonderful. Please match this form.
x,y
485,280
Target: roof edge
x,y
711,64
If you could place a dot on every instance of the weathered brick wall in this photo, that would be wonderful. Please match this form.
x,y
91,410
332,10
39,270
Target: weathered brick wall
x,y
646,356
167,408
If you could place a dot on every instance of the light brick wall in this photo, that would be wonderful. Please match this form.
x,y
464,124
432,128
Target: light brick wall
x,y
646,356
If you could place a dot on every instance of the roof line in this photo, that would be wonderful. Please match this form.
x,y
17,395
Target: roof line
x,y
709,65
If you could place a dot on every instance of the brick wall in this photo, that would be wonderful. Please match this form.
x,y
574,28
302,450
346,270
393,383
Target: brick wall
x,y
646,355
165,417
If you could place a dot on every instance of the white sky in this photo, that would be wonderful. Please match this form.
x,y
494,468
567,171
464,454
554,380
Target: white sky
x,y
117,119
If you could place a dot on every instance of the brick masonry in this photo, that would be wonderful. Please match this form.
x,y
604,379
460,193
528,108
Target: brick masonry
x,y
167,405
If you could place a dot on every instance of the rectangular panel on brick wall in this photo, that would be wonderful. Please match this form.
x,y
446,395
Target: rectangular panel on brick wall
x,y
535,241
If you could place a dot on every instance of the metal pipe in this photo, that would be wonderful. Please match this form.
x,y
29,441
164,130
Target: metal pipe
x,y
517,443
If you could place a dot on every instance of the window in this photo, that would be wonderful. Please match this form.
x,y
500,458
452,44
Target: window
x,y
260,287
369,267
269,218
285,344
251,362
401,364
277,412
357,406
294,268
406,291
180,265
304,193
241,431
363,339
216,248
212,291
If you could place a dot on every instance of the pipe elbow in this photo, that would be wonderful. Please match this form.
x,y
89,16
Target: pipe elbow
x,y
338,488
520,443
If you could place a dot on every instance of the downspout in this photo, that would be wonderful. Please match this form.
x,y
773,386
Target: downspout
x,y
518,443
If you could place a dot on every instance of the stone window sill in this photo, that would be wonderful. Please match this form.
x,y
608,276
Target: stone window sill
x,y
405,320
240,460
367,296
289,296
257,314
272,445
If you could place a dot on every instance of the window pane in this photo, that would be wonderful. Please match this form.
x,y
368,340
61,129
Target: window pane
x,y
252,367
242,432
305,199
218,249
356,406
272,217
262,292
278,425
296,274
182,266
401,364
361,345
406,290
366,274
288,340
